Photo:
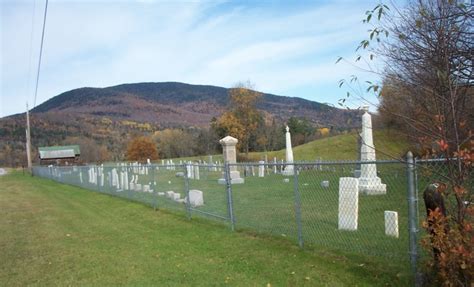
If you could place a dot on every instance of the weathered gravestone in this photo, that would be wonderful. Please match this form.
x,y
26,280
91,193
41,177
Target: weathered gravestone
x,y
261,168
348,203
196,198
391,223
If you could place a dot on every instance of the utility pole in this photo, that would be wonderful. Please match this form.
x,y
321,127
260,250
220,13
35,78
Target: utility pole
x,y
28,139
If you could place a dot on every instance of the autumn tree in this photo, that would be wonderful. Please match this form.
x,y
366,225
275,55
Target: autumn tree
x,y
141,149
300,129
91,151
243,118
425,53
174,143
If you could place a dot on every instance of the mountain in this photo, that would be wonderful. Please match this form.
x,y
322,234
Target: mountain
x,y
178,104
105,119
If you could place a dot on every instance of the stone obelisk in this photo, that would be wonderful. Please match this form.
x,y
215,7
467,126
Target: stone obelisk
x,y
289,169
369,182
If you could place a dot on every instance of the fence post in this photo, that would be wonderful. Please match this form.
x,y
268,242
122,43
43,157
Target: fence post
x,y
412,218
298,207
230,204
155,192
186,189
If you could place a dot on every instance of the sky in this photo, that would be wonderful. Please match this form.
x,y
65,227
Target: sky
x,y
280,47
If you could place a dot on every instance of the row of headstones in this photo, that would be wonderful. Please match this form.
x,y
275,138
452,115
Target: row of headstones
x,y
196,197
349,208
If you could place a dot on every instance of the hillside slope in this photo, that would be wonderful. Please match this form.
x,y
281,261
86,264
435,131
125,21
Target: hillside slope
x,y
389,145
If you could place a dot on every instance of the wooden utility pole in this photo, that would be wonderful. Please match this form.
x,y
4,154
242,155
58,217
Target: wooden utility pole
x,y
28,139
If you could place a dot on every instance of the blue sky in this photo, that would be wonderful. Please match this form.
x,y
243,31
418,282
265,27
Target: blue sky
x,y
281,47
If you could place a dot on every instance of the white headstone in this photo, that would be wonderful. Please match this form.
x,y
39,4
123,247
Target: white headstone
x,y
138,187
275,165
196,172
325,183
196,198
189,171
369,182
261,168
348,203
175,196
391,223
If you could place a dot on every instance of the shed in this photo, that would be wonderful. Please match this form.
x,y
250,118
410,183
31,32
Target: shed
x,y
59,155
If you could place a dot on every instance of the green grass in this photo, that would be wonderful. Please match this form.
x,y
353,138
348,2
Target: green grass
x,y
389,144
54,234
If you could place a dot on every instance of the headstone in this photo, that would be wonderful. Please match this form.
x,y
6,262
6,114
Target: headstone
x,y
275,165
391,223
189,171
325,183
80,176
261,168
196,172
286,180
148,161
161,193
289,169
126,187
175,196
169,194
179,174
369,182
196,198
138,187
348,203
230,156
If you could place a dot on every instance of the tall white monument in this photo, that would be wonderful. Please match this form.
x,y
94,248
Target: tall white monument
x,y
369,182
230,156
289,169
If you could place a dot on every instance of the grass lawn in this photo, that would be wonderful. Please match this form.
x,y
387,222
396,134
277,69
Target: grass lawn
x,y
53,234
389,144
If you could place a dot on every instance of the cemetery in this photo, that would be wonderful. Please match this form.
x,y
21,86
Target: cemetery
x,y
315,204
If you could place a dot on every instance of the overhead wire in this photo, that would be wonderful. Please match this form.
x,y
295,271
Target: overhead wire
x,y
41,53
28,86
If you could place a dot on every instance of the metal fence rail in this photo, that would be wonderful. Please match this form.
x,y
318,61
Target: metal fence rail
x,y
317,204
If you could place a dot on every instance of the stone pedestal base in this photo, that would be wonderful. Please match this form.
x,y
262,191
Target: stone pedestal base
x,y
234,178
372,186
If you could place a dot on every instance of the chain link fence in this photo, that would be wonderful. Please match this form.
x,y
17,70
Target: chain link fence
x,y
363,208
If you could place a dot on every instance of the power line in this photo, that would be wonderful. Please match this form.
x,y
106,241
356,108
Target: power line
x,y
31,47
41,52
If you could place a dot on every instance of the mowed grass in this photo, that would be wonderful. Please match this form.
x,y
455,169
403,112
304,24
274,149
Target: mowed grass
x,y
54,234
